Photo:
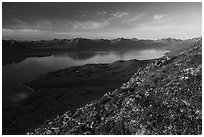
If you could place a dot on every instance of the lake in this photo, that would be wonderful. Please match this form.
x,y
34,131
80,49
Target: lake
x,y
30,68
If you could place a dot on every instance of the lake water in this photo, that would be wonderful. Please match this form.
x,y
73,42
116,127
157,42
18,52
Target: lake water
x,y
30,68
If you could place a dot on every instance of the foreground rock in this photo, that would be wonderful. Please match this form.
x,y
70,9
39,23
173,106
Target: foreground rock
x,y
165,97
63,90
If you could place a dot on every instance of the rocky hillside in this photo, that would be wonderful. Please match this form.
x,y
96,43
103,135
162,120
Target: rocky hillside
x,y
165,97
66,89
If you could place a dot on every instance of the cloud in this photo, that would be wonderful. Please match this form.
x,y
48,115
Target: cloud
x,y
159,16
18,21
20,24
134,18
120,14
7,30
88,24
82,13
43,24
27,32
19,30
101,12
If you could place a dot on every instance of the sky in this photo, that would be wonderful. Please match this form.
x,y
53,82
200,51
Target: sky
x,y
44,21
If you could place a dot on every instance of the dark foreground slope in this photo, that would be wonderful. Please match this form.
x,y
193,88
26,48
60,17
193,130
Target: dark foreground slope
x,y
63,90
162,98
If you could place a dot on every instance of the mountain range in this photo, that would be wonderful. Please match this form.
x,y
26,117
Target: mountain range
x,y
13,47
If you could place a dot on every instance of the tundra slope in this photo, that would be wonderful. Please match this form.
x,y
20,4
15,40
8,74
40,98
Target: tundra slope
x,y
165,97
